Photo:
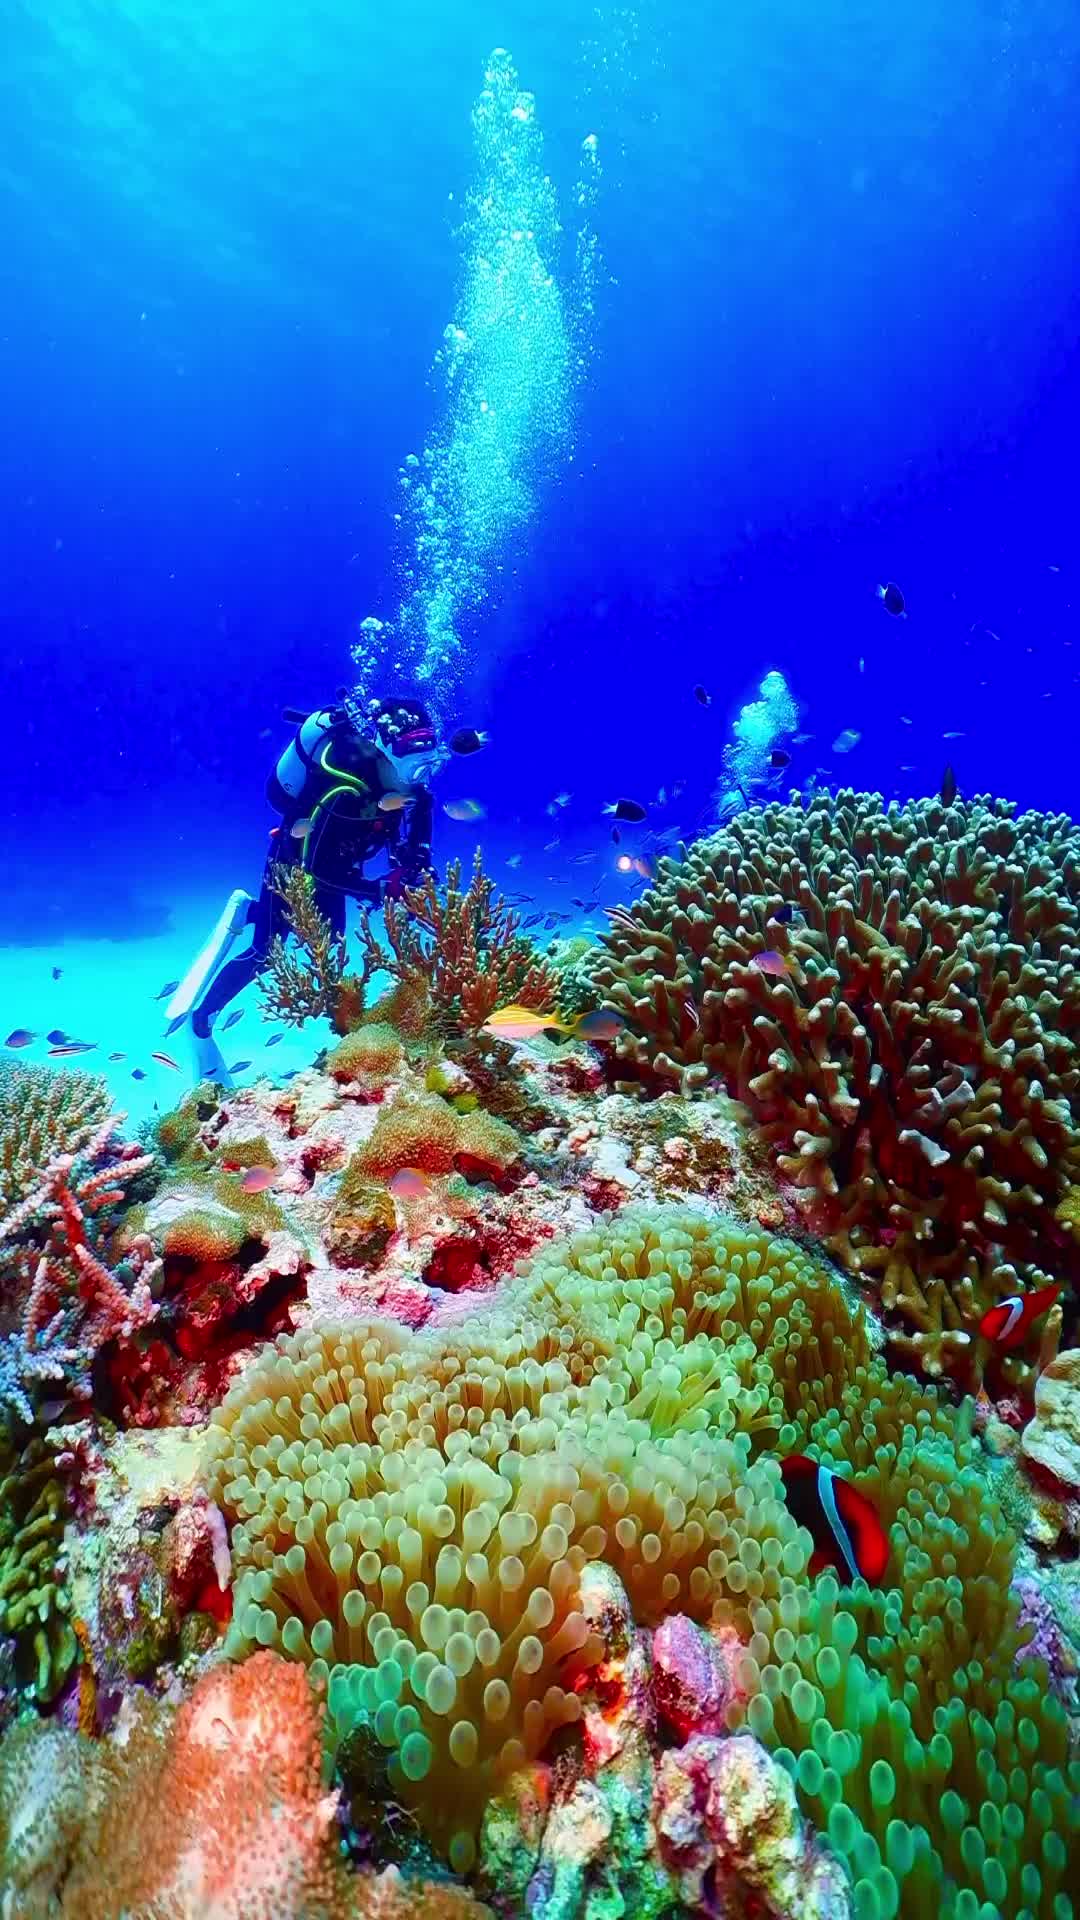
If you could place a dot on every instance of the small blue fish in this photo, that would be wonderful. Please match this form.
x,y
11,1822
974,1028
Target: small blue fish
x,y
56,972
117,1056
169,987
174,1025
137,1073
232,1019
274,1038
19,1037
56,1037
240,1066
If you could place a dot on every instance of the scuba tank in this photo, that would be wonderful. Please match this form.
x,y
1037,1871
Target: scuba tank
x,y
289,778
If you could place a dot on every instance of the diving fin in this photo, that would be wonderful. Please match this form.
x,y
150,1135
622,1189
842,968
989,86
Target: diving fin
x,y
209,1060
231,922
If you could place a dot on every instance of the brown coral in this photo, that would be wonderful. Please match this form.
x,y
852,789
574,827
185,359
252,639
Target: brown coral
x,y
914,1068
464,947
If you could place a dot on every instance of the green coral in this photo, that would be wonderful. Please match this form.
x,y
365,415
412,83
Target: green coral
x,y
361,1222
34,1601
911,1056
176,1134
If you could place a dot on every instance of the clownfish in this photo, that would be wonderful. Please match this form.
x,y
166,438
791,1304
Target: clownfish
x,y
844,1525
1007,1323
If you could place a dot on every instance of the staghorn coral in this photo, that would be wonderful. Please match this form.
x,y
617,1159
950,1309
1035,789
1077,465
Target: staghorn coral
x,y
464,946
914,1069
413,1517
309,983
53,1244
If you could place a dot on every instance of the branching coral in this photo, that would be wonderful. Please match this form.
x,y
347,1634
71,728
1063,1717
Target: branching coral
x,y
913,1060
413,1519
43,1114
53,1246
463,947
310,982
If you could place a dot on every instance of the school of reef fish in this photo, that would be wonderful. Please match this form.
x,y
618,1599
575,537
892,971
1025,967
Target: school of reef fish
x,y
603,1440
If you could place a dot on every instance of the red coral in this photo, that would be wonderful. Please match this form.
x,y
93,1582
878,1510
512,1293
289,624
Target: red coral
x,y
240,1827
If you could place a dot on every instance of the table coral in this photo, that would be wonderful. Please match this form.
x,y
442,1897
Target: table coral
x,y
913,1061
412,1518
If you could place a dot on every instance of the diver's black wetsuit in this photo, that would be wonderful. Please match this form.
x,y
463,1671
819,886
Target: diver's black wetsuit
x,y
333,779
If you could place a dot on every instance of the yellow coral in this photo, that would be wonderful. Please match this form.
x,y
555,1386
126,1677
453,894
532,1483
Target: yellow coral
x,y
371,1055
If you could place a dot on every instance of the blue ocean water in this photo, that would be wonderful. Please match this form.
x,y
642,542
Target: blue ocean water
x,y
825,338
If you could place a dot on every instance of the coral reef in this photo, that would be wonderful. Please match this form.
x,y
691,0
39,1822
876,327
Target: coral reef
x,y
484,1567
462,948
413,1519
910,1057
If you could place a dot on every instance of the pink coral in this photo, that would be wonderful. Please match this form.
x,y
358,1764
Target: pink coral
x,y
241,1826
691,1679
728,1824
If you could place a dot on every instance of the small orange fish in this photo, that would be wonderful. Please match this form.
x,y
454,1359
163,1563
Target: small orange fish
x,y
393,802
257,1179
770,962
300,829
408,1183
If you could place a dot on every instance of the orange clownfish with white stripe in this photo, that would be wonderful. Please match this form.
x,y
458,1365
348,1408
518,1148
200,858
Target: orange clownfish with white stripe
x,y
844,1525
1007,1324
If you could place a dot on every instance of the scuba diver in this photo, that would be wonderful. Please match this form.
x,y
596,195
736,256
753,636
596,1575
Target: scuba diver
x,y
353,783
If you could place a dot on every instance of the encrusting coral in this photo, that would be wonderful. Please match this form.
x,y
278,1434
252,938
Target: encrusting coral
x,y
894,993
462,949
413,1518
422,1130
